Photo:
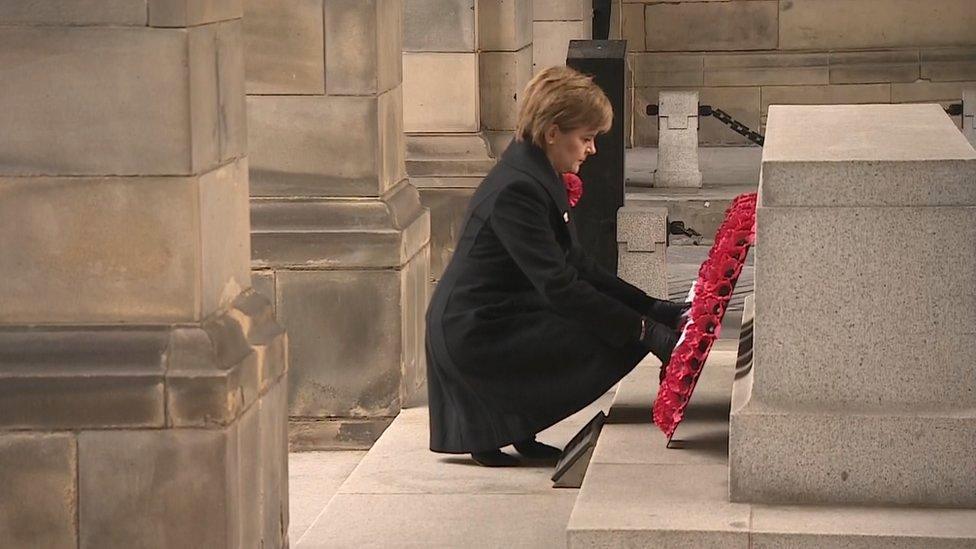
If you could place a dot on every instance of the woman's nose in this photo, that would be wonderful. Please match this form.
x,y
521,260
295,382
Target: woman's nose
x,y
591,148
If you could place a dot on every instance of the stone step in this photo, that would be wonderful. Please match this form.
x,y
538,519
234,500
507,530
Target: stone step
x,y
638,493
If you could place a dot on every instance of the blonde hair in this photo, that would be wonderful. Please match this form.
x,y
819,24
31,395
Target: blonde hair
x,y
564,97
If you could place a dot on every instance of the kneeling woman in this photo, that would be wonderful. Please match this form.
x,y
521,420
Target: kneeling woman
x,y
524,328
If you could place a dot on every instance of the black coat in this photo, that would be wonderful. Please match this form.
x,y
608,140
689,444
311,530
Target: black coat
x,y
524,328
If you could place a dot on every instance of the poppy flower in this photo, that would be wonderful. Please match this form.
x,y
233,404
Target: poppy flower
x,y
574,188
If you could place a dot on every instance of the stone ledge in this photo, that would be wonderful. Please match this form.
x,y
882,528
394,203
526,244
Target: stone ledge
x,y
85,377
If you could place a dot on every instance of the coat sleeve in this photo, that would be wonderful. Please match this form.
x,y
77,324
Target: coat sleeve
x,y
609,283
520,219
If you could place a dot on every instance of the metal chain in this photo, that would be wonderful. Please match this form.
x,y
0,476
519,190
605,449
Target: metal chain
x,y
737,127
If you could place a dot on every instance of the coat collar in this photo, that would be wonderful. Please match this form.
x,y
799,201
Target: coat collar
x,y
531,160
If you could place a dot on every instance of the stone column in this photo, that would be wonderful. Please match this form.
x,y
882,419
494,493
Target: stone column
x,y
505,37
555,23
142,381
862,386
677,153
339,236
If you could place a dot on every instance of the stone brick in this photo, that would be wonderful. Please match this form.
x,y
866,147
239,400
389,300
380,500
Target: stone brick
x,y
743,104
173,487
841,24
447,207
503,77
313,145
391,143
949,64
439,25
344,331
504,25
632,26
825,95
119,101
77,12
440,92
40,498
272,448
877,66
551,42
414,294
224,235
231,108
363,42
284,46
188,13
668,70
929,92
558,10
708,26
137,260
766,69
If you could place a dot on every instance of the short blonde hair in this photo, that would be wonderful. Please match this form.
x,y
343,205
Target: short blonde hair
x,y
564,97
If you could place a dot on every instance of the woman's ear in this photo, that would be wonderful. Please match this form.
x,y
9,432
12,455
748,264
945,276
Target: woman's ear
x,y
551,134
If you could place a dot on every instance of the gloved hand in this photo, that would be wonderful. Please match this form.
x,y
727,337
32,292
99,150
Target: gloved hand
x,y
669,313
658,338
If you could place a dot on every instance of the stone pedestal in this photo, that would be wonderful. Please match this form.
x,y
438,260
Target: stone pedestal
x,y
642,234
340,239
677,154
142,381
861,391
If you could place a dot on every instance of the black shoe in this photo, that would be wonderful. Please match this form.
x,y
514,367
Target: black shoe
x,y
494,458
533,449
669,313
660,340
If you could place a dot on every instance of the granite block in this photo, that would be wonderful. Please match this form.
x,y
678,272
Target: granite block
x,y
284,47
677,160
38,473
848,94
709,26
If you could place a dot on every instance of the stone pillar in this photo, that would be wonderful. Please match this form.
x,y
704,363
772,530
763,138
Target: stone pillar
x,y
642,234
339,236
142,381
505,38
677,153
862,387
554,24
969,115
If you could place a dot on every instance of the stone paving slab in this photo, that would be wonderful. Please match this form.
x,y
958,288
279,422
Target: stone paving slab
x,y
313,478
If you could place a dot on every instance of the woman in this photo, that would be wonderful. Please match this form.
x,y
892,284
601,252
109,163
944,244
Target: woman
x,y
524,329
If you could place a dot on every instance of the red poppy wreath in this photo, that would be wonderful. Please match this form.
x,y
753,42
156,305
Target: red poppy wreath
x,y
709,297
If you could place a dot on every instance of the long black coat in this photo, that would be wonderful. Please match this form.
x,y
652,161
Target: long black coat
x,y
524,328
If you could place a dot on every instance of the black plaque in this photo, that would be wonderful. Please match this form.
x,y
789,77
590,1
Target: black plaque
x,y
602,173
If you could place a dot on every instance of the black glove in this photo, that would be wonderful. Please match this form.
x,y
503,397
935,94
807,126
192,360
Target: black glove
x,y
669,313
658,339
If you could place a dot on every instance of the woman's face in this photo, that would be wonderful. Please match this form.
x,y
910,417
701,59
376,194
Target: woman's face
x,y
567,150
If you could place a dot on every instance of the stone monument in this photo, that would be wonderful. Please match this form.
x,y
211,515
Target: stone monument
x,y
677,153
862,387
340,238
142,382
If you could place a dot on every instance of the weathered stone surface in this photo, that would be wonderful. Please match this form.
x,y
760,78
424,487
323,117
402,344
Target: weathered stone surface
x,y
314,146
344,329
108,109
272,447
825,95
392,149
641,240
447,207
40,496
550,41
841,24
187,13
179,480
305,435
440,92
766,69
632,26
76,12
439,25
335,233
231,108
504,25
503,77
414,294
677,160
284,46
949,64
877,66
697,26
363,41
969,115
263,282
666,70
224,235
558,10
928,92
